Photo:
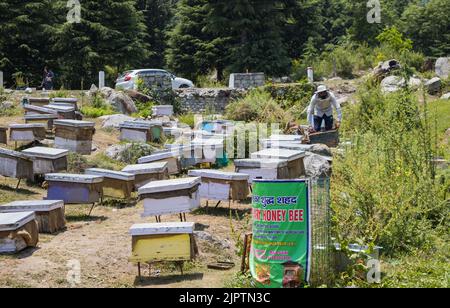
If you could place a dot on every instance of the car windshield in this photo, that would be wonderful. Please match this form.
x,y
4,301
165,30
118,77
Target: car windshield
x,y
124,74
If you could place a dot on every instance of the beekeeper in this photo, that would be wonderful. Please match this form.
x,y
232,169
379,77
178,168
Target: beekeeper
x,y
321,110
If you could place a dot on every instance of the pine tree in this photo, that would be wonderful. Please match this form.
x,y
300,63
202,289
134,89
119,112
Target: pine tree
x,y
25,31
111,33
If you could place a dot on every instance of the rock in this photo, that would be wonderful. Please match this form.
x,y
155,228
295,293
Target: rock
x,y
392,84
443,67
137,96
93,90
414,83
385,68
28,90
446,96
433,85
200,227
119,100
114,120
129,153
6,105
321,149
205,236
317,166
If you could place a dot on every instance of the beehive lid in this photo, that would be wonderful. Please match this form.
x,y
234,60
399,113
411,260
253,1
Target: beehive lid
x,y
61,108
39,109
12,153
157,167
74,178
162,228
213,142
14,221
31,205
74,123
40,116
3,128
140,124
286,145
157,157
219,175
65,100
169,185
110,174
286,137
41,152
279,154
261,163
25,126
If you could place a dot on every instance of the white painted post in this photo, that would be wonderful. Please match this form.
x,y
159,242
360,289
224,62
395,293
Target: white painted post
x,y
310,75
101,79
1,79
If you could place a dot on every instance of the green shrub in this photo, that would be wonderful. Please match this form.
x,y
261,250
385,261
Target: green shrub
x,y
206,82
188,119
384,188
93,112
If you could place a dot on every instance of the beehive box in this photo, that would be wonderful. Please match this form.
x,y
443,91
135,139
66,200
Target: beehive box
x,y
74,188
49,213
163,110
3,135
220,185
31,109
15,165
172,159
330,138
190,155
141,131
18,231
170,196
267,169
65,101
295,160
146,173
287,145
174,132
27,132
38,101
46,119
212,149
116,184
162,242
287,138
65,112
75,136
47,160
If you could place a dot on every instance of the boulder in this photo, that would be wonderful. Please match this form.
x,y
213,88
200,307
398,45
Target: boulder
x,y
321,149
119,100
446,96
137,96
443,67
392,84
317,166
414,83
114,120
205,236
6,105
385,68
433,85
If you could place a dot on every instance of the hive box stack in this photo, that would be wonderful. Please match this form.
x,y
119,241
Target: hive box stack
x,y
65,101
330,138
170,196
267,169
116,184
172,159
15,165
38,101
163,242
27,132
64,112
146,173
3,135
31,109
141,131
295,159
74,188
47,160
49,213
75,136
18,231
46,119
224,186
162,111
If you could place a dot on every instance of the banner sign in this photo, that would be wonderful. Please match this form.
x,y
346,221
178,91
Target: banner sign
x,y
281,245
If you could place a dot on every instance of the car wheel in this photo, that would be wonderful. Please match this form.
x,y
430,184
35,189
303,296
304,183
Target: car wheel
x,y
184,86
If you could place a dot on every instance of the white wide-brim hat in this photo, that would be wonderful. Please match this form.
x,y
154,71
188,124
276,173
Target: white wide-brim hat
x,y
321,89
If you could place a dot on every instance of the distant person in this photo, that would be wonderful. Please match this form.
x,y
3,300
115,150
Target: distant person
x,y
48,79
321,109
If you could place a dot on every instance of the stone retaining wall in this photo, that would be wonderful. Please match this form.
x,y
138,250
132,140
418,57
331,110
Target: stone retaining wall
x,y
199,100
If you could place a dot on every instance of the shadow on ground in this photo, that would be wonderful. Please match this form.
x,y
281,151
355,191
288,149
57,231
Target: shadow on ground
x,y
165,280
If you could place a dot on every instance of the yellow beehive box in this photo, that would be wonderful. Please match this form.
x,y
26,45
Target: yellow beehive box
x,y
162,242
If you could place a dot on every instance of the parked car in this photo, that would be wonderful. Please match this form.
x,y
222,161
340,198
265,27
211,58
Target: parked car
x,y
128,80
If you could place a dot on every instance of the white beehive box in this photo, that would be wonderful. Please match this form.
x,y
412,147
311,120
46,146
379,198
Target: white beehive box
x,y
295,159
170,196
17,231
47,160
221,185
172,159
162,228
267,169
146,173
27,132
75,136
163,110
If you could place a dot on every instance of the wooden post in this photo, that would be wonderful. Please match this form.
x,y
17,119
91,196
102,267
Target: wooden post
x,y
1,80
101,79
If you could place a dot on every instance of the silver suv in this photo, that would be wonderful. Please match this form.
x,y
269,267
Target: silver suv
x,y
128,80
